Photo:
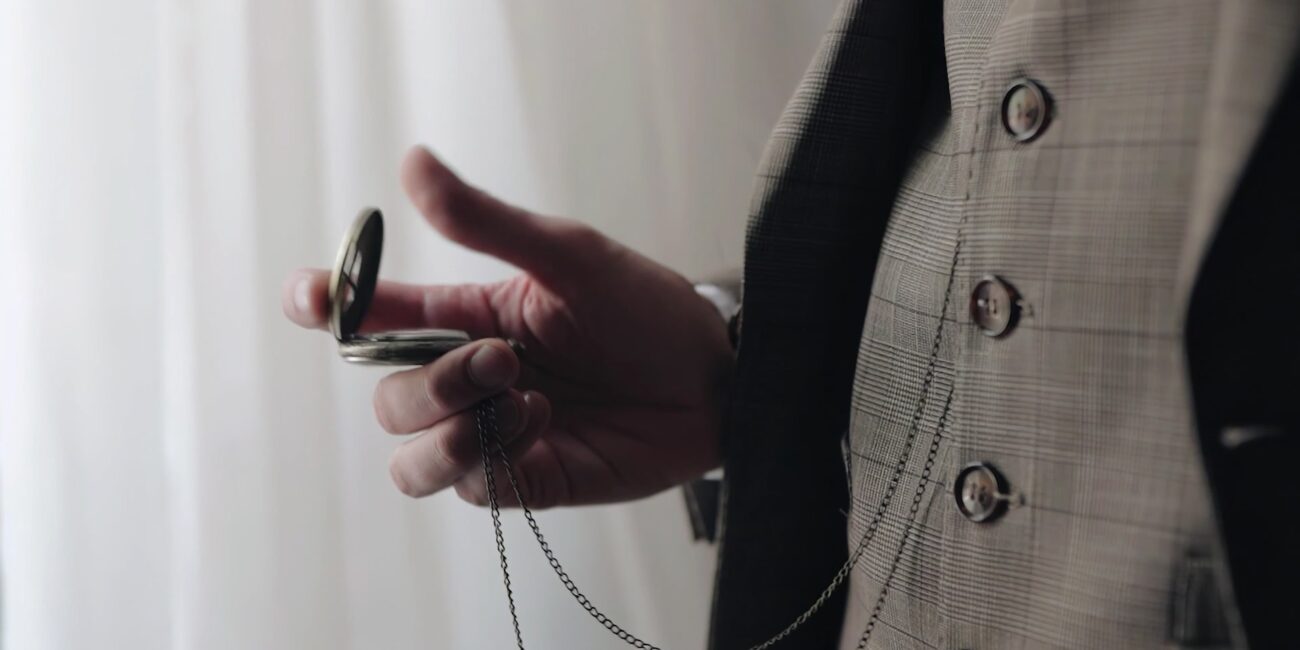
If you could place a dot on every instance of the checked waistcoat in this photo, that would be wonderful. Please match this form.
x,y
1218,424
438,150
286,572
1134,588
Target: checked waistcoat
x,y
896,183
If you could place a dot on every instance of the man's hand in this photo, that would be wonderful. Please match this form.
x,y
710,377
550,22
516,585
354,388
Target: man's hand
x,y
619,392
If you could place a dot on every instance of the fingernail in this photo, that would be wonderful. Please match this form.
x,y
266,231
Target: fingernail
x,y
490,367
302,297
508,416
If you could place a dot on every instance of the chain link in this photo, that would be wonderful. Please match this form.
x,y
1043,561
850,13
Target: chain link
x,y
490,443
911,519
918,414
485,420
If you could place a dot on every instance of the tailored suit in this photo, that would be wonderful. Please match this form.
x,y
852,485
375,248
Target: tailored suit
x,y
1138,409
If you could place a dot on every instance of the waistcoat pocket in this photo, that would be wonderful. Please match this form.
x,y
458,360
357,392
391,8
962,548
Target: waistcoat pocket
x,y
1196,618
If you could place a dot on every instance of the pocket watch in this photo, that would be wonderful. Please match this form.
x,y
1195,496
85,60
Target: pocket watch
x,y
352,288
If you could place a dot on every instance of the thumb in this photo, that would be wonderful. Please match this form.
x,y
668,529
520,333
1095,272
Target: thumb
x,y
548,248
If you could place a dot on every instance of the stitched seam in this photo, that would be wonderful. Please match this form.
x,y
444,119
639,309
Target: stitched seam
x,y
917,415
959,238
926,383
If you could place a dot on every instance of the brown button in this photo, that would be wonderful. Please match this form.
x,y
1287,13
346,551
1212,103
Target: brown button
x,y
1026,109
994,306
981,492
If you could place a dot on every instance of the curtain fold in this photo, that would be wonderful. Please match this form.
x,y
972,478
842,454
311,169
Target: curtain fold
x,y
179,466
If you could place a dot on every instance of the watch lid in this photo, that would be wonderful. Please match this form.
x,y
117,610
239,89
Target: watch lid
x,y
356,271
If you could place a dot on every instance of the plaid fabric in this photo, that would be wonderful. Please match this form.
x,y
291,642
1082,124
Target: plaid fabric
x,y
1083,407
890,164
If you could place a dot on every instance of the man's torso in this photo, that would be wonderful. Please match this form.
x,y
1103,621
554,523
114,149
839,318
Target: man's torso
x,y
1081,406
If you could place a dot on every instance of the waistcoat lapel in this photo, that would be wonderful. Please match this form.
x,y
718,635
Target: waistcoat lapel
x,y
820,205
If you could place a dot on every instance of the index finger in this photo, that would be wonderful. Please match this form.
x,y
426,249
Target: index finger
x,y
395,306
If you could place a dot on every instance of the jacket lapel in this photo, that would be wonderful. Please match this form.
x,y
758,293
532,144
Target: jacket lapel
x,y
1257,43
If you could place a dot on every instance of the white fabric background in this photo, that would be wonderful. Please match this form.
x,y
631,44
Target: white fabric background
x,y
180,467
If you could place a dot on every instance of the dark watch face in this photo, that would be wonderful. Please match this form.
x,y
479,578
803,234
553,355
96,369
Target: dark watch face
x,y
352,287
356,271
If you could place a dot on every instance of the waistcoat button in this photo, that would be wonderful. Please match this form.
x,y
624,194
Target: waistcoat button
x,y
1026,110
981,492
994,306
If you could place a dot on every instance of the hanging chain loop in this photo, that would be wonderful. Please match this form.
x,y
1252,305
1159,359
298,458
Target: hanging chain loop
x,y
485,420
489,438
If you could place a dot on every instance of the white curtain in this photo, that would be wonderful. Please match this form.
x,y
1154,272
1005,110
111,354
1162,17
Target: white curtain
x,y
180,467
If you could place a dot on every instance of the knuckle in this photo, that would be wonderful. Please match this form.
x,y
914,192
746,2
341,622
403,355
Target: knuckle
x,y
441,199
579,234
453,445
437,388
595,249
455,197
446,207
